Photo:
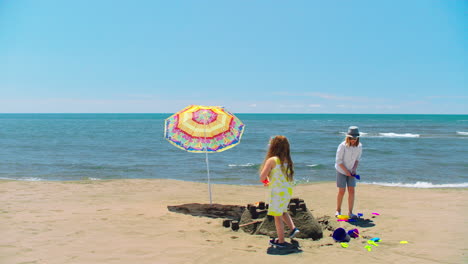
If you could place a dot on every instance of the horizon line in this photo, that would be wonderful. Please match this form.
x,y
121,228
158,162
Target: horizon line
x,y
146,113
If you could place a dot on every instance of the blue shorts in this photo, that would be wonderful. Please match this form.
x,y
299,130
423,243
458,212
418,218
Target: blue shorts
x,y
342,181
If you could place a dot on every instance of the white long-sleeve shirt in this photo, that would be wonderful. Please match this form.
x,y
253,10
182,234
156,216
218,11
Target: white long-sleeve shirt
x,y
347,156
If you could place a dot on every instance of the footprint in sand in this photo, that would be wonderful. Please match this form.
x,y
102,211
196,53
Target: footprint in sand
x,y
246,250
326,245
214,241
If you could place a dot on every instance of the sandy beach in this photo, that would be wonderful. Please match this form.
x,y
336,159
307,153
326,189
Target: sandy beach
x,y
127,221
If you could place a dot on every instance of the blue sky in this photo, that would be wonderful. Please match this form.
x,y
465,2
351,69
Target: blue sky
x,y
250,56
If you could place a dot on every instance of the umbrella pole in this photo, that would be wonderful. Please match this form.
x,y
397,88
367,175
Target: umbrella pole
x,y
208,172
207,162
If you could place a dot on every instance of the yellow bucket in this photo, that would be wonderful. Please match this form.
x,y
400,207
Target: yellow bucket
x,y
343,217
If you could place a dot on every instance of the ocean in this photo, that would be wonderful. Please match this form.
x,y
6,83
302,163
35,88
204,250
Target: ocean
x,y
419,151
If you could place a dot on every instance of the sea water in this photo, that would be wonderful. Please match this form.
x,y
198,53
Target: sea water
x,y
398,150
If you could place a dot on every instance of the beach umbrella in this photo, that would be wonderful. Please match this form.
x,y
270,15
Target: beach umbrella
x,y
203,129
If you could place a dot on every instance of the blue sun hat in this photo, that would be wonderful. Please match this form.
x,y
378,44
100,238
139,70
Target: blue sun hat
x,y
340,235
353,131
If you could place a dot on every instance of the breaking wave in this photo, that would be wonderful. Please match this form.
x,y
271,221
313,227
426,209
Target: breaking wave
x,y
396,135
242,165
425,185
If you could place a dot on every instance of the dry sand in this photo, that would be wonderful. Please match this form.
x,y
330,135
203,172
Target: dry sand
x,y
127,221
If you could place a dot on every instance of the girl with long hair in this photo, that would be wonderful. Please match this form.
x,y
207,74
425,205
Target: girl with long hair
x,y
278,170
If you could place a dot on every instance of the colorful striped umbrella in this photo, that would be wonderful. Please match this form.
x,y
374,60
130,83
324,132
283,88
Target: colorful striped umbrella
x,y
204,129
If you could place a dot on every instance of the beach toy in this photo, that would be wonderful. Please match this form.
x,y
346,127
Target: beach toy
x,y
352,220
403,242
369,248
375,213
342,220
261,205
227,223
266,182
370,242
340,235
235,225
344,245
354,233
357,177
343,217
360,215
375,239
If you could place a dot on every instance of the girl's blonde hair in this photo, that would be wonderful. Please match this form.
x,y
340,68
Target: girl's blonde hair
x,y
279,147
349,143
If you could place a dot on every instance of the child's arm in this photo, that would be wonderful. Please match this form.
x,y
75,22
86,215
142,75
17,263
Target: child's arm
x,y
353,171
342,166
340,152
356,163
269,165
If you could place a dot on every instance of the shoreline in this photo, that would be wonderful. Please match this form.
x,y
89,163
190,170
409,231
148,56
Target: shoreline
x,y
417,185
127,221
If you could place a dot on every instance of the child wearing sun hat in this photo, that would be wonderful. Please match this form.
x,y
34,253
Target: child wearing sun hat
x,y
347,160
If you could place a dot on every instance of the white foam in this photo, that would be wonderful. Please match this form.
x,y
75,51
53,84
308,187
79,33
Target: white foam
x,y
425,185
395,135
242,165
21,179
313,165
361,134
462,133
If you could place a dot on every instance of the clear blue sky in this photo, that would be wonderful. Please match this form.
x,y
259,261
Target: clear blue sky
x,y
150,56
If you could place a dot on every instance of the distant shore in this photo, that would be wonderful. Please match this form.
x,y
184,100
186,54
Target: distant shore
x,y
127,221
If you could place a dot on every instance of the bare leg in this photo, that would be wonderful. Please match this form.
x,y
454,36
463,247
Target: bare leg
x,y
350,199
279,228
339,199
287,219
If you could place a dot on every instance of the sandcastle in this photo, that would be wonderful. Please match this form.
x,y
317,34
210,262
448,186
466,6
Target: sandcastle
x,y
255,220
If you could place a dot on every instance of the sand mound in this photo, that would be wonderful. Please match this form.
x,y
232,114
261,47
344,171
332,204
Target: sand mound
x,y
253,218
